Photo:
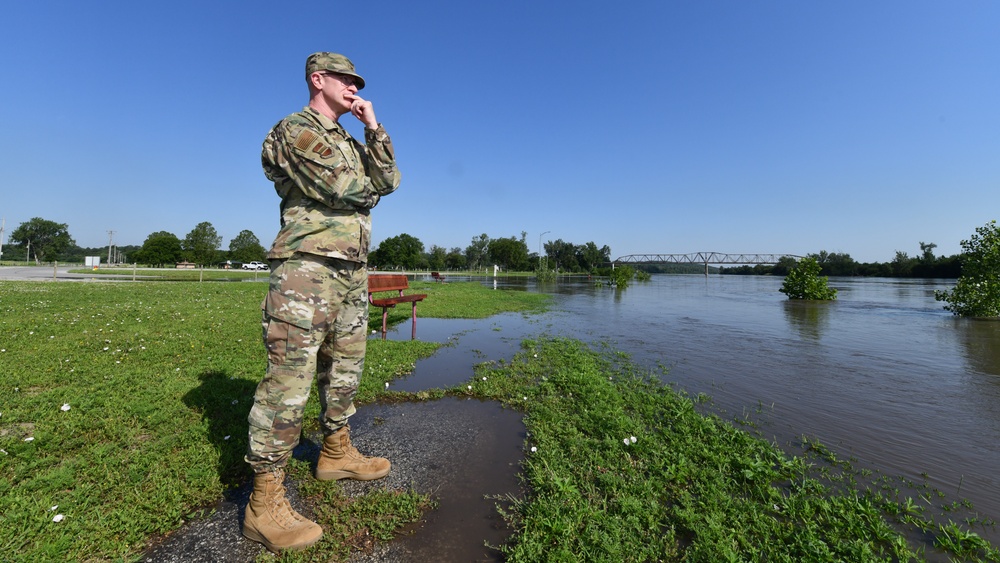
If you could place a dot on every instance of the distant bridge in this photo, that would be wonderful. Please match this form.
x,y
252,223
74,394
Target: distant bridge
x,y
705,258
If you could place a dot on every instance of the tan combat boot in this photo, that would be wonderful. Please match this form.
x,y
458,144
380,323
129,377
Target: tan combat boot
x,y
272,521
339,459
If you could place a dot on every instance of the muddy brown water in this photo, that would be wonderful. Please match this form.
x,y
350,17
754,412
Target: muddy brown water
x,y
883,375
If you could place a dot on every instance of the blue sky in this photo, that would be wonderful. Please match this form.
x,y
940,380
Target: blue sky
x,y
650,127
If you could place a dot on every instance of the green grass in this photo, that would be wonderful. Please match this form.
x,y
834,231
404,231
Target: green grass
x,y
622,468
158,379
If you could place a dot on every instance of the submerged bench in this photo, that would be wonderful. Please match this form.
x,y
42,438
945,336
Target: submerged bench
x,y
392,282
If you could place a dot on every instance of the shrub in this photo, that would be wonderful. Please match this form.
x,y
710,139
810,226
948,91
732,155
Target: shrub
x,y
804,282
977,293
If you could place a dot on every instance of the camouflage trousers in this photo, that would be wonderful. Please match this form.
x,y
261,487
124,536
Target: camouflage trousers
x,y
315,323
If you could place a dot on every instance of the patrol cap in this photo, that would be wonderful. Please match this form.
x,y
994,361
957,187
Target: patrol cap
x,y
332,62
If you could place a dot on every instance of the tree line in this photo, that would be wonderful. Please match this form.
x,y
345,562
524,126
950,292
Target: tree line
x,y
39,240
405,251
924,265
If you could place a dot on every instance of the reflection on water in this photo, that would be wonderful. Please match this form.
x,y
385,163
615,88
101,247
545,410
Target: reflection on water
x,y
979,340
809,318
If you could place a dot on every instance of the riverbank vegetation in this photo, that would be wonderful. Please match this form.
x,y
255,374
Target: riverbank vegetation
x,y
841,264
804,282
977,293
620,467
123,415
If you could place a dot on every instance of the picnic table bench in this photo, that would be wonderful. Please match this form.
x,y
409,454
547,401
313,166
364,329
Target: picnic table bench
x,y
437,276
392,282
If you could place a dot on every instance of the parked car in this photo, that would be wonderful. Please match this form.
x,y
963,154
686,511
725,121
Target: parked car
x,y
255,265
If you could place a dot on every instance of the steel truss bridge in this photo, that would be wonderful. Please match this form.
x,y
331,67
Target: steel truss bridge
x,y
705,258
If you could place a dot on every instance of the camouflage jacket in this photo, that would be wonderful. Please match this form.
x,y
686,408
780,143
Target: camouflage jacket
x,y
328,183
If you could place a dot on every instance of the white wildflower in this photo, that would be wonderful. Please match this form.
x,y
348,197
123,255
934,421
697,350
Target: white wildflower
x,y
386,384
235,401
29,439
533,449
484,379
633,439
469,388
53,509
57,518
626,441
65,407
226,437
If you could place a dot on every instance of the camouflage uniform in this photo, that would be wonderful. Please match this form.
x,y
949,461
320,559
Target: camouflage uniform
x,y
315,315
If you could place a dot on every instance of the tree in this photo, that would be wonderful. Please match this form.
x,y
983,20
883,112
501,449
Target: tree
x,y
160,248
977,292
509,253
563,254
455,260
590,257
403,251
784,265
246,247
804,282
927,252
436,257
902,264
45,240
202,244
477,252
835,263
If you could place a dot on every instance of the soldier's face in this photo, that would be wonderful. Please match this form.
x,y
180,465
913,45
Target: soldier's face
x,y
339,90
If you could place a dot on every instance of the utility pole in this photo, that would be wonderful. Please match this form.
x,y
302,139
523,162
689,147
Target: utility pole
x,y
540,249
111,236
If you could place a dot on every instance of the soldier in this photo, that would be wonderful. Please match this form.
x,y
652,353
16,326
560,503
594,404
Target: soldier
x,y
315,314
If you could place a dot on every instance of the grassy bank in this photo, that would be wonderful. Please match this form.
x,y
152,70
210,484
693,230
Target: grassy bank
x,y
123,407
623,468
123,410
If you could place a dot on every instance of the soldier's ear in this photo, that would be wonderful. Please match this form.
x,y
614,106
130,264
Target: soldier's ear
x,y
316,80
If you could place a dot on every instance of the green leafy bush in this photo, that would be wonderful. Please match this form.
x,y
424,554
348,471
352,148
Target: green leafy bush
x,y
621,276
804,282
977,293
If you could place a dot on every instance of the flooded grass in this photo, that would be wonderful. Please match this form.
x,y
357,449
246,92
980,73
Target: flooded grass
x,y
622,468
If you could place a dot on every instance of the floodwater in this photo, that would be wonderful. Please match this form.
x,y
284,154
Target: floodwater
x,y
883,375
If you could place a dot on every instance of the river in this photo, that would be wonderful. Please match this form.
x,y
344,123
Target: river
x,y
883,375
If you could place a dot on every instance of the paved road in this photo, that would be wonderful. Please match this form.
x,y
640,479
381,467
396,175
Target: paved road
x,y
49,273
60,273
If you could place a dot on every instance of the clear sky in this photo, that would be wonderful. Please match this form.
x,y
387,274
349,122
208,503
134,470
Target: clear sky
x,y
651,127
